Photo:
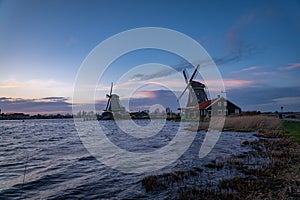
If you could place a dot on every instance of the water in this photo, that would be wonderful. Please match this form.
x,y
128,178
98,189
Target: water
x,y
58,165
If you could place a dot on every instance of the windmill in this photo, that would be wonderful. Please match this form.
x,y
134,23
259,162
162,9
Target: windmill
x,y
114,110
197,92
113,102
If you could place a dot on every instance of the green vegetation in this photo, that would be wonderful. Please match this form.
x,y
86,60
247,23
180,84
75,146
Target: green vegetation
x,y
292,128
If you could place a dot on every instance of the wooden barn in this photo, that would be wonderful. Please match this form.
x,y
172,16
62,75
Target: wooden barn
x,y
216,107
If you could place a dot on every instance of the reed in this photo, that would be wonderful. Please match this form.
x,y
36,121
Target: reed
x,y
242,123
253,123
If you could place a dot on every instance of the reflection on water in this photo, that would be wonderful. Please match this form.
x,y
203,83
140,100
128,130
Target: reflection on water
x,y
58,165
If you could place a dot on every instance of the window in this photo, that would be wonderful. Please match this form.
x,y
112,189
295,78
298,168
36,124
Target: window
x,y
219,103
209,113
225,112
219,112
236,111
225,103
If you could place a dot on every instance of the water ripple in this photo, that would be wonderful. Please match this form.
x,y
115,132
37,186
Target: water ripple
x,y
58,166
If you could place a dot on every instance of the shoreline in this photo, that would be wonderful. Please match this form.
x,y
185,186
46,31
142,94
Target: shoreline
x,y
270,171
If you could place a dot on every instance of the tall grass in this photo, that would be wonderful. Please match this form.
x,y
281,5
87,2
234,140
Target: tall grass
x,y
252,123
242,124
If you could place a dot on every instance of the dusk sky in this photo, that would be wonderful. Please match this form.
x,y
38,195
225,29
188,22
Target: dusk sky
x,y
255,45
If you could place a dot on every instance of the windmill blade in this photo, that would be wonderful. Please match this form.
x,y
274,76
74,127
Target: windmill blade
x,y
185,76
109,96
183,92
111,88
107,105
195,72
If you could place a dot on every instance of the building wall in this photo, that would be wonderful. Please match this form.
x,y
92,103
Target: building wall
x,y
233,109
219,108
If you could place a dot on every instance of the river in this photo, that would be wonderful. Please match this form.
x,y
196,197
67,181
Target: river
x,y
46,159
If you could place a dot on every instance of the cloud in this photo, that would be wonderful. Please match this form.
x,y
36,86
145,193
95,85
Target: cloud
x,y
42,105
233,38
265,98
35,88
287,100
237,83
55,98
147,94
242,52
11,83
166,72
291,66
239,55
265,73
165,98
247,69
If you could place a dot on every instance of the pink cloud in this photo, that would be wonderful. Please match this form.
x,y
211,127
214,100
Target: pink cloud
x,y
237,83
147,93
11,83
214,85
291,66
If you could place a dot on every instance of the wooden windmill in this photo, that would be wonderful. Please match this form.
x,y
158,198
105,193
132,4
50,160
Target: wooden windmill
x,y
113,102
197,92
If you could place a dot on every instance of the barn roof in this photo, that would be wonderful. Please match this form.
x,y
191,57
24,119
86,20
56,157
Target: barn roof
x,y
204,104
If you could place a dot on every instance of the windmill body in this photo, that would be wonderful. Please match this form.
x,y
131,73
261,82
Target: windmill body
x,y
197,94
113,109
115,103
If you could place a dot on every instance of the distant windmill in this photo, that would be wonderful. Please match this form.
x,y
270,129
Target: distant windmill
x,y
113,102
197,92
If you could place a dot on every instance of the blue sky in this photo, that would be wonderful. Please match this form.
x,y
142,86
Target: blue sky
x,y
255,45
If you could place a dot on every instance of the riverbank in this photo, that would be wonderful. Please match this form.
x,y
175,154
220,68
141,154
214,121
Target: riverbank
x,y
270,171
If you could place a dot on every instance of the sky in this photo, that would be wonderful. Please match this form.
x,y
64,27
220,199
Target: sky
x,y
43,43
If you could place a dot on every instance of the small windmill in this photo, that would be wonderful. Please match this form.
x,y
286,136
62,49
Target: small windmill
x,y
113,102
197,92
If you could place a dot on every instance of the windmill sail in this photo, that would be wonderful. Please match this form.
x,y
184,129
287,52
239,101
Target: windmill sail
x,y
108,105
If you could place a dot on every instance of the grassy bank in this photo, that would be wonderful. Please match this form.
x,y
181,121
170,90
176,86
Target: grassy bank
x,y
270,171
292,128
